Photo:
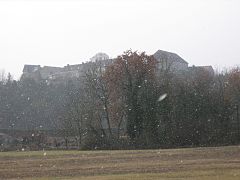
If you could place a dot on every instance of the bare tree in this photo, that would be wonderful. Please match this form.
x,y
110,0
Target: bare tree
x,y
99,94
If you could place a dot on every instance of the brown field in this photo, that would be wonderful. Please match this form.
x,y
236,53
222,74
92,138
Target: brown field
x,y
191,163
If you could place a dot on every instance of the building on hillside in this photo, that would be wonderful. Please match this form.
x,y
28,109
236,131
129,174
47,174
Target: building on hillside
x,y
47,71
99,57
61,74
205,69
31,68
174,63
170,61
167,61
31,72
66,73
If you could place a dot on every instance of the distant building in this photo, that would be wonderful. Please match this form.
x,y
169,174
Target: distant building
x,y
61,74
32,72
174,63
47,71
206,69
170,61
166,61
99,57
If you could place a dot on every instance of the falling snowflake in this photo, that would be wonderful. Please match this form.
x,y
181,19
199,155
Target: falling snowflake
x,y
162,97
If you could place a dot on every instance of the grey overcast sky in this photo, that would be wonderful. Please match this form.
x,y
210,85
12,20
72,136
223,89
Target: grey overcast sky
x,y
56,33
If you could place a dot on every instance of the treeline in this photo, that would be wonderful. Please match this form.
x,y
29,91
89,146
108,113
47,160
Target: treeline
x,y
132,103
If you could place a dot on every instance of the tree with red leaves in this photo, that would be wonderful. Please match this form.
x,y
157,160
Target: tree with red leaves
x,y
130,79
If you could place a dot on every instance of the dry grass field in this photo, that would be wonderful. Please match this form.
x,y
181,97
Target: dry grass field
x,y
191,163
